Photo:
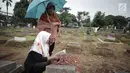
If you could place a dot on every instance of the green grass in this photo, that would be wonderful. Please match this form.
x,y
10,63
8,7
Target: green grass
x,y
5,38
129,44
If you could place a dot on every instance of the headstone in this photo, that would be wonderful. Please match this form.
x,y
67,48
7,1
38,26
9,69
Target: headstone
x,y
114,28
29,25
107,27
112,44
8,25
63,52
7,66
111,38
20,39
100,40
34,27
18,69
95,29
73,47
73,44
103,45
60,69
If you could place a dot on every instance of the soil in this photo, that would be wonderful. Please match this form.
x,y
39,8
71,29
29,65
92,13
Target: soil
x,y
92,59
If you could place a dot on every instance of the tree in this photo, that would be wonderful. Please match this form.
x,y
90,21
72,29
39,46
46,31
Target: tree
x,y
109,20
65,9
83,17
128,19
127,27
116,21
67,18
98,20
86,18
120,22
20,11
2,18
8,3
87,22
79,17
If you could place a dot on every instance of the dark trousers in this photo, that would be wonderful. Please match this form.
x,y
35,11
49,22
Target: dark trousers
x,y
38,67
51,48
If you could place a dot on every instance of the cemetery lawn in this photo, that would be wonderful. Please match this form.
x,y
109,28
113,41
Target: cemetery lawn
x,y
92,58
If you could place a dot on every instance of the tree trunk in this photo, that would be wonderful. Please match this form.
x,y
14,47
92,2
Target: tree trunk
x,y
6,22
99,28
66,25
7,12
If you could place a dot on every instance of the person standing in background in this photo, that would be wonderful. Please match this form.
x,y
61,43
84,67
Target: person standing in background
x,y
50,22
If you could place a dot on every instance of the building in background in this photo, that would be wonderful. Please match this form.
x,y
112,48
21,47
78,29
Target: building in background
x,y
3,18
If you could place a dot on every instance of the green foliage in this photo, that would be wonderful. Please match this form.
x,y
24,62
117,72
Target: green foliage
x,y
87,22
67,17
2,17
98,20
120,22
128,18
20,11
65,9
109,20
79,16
84,18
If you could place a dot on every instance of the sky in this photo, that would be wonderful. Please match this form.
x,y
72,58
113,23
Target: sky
x,y
114,7
3,5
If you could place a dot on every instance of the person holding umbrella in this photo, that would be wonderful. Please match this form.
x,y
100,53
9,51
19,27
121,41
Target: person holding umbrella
x,y
45,11
50,22
40,55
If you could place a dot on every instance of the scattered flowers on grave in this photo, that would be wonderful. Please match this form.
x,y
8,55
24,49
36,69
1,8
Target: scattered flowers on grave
x,y
69,60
